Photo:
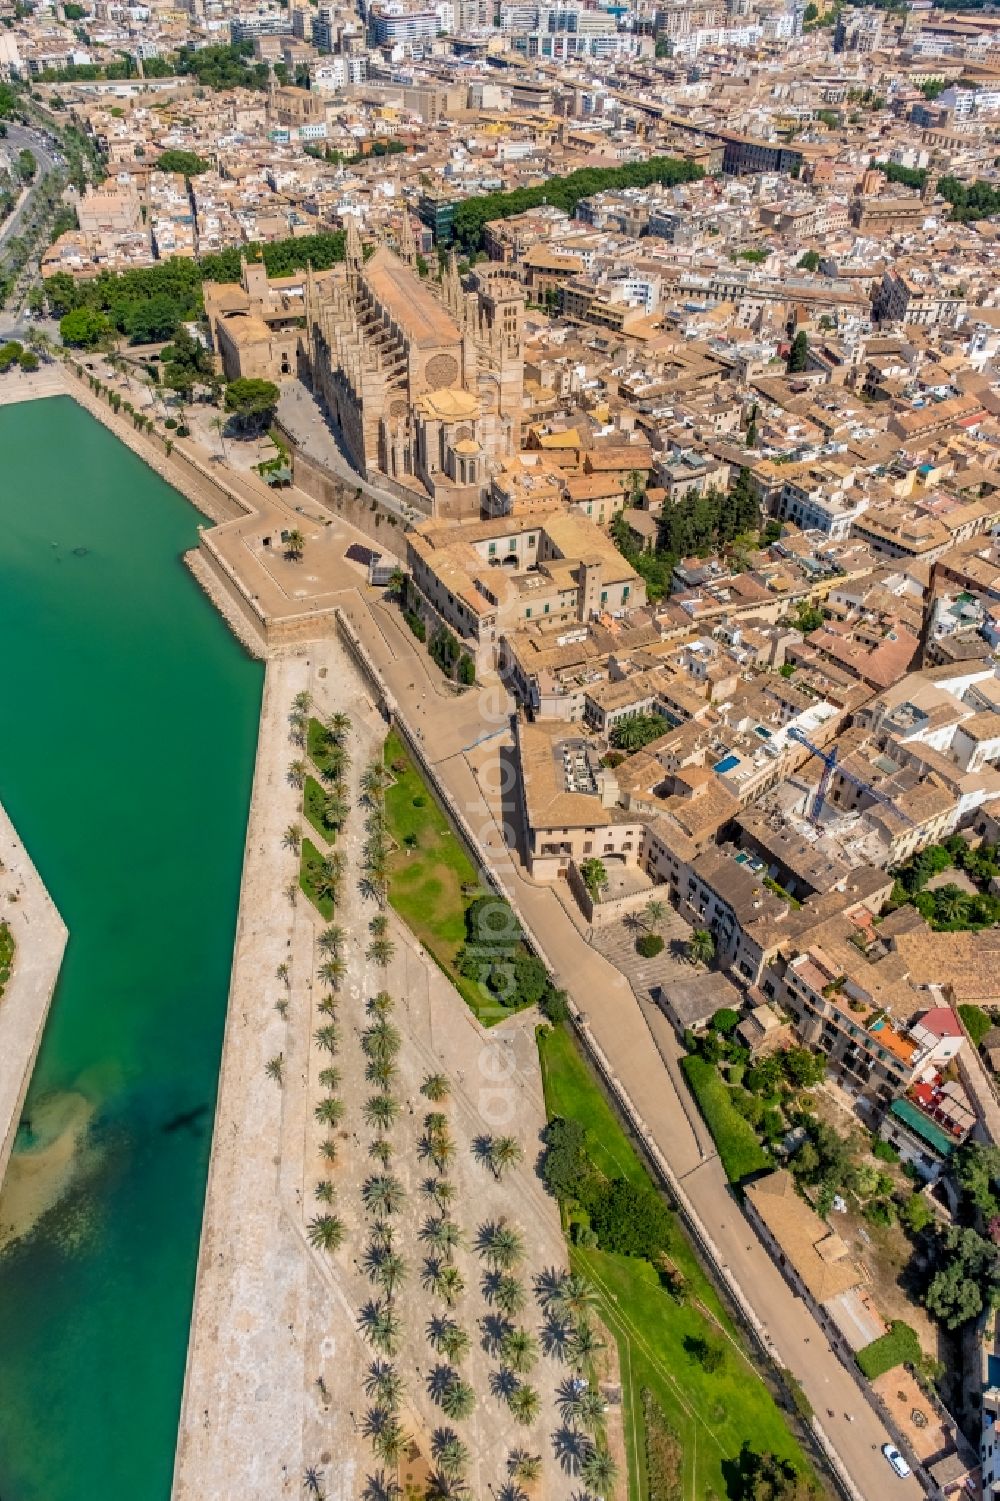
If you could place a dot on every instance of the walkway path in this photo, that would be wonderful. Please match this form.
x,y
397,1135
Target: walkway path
x,y
40,935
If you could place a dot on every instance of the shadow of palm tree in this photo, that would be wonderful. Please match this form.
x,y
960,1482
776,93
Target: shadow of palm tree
x,y
495,1328
570,1446
503,1384
557,1337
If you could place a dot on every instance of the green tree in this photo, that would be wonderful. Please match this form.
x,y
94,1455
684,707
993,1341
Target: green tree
x,y
630,1220
798,355
594,876
700,947
252,403
83,328
188,163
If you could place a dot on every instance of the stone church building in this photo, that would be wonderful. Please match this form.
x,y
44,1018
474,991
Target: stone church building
x,y
424,380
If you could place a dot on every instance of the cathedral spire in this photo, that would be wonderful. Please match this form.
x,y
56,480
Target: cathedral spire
x,y
352,247
407,243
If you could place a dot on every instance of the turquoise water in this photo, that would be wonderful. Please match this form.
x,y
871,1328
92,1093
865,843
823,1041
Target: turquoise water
x,y
129,720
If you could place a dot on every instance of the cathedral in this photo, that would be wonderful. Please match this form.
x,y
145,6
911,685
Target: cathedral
x,y
424,380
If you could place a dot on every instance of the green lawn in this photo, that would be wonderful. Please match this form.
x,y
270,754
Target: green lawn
x,y
427,874
313,803
740,1151
312,858
316,745
712,1413
6,954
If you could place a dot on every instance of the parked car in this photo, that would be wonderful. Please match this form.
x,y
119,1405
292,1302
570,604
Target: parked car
x,y
896,1459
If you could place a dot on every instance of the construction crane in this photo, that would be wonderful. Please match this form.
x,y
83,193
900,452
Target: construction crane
x,y
829,760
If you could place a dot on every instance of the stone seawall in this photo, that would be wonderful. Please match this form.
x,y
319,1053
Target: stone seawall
x,y
361,512
207,492
40,935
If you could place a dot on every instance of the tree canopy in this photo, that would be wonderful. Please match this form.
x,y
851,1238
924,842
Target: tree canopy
x,y
473,214
252,403
187,162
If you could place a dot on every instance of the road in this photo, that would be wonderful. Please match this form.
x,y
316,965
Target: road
x,y
20,138
646,1064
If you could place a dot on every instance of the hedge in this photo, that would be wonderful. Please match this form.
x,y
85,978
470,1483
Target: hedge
x,y
899,1347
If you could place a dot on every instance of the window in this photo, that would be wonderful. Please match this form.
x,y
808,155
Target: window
x,y
493,549
532,540
546,609
604,596
527,613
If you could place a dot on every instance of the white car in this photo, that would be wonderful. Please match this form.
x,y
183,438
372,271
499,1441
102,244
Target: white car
x,y
897,1461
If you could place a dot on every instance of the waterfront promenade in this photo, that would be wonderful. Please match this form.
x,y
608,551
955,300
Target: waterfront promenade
x,y
40,935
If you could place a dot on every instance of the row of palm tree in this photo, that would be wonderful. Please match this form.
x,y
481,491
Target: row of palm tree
x,y
375,855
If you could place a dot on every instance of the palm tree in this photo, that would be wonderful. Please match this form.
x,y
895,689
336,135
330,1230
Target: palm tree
x,y
574,1295
589,1409
384,1383
381,1071
219,423
524,1466
519,1350
504,1152
599,1471
391,1441
332,970
382,1194
274,1068
380,951
500,1245
381,1487
330,1111
335,810
380,1111
326,1232
443,1236
324,1191
328,1150
328,878
331,940
297,773
654,913
448,1338
379,925
382,1040
435,1087
450,1454
328,1005
441,1191
329,1078
380,1326
328,1037
442,1487
389,1271
700,947
443,1280
302,702
380,1150
374,780
292,838
381,1005
584,1344
525,1403
458,1399
508,1295
295,545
